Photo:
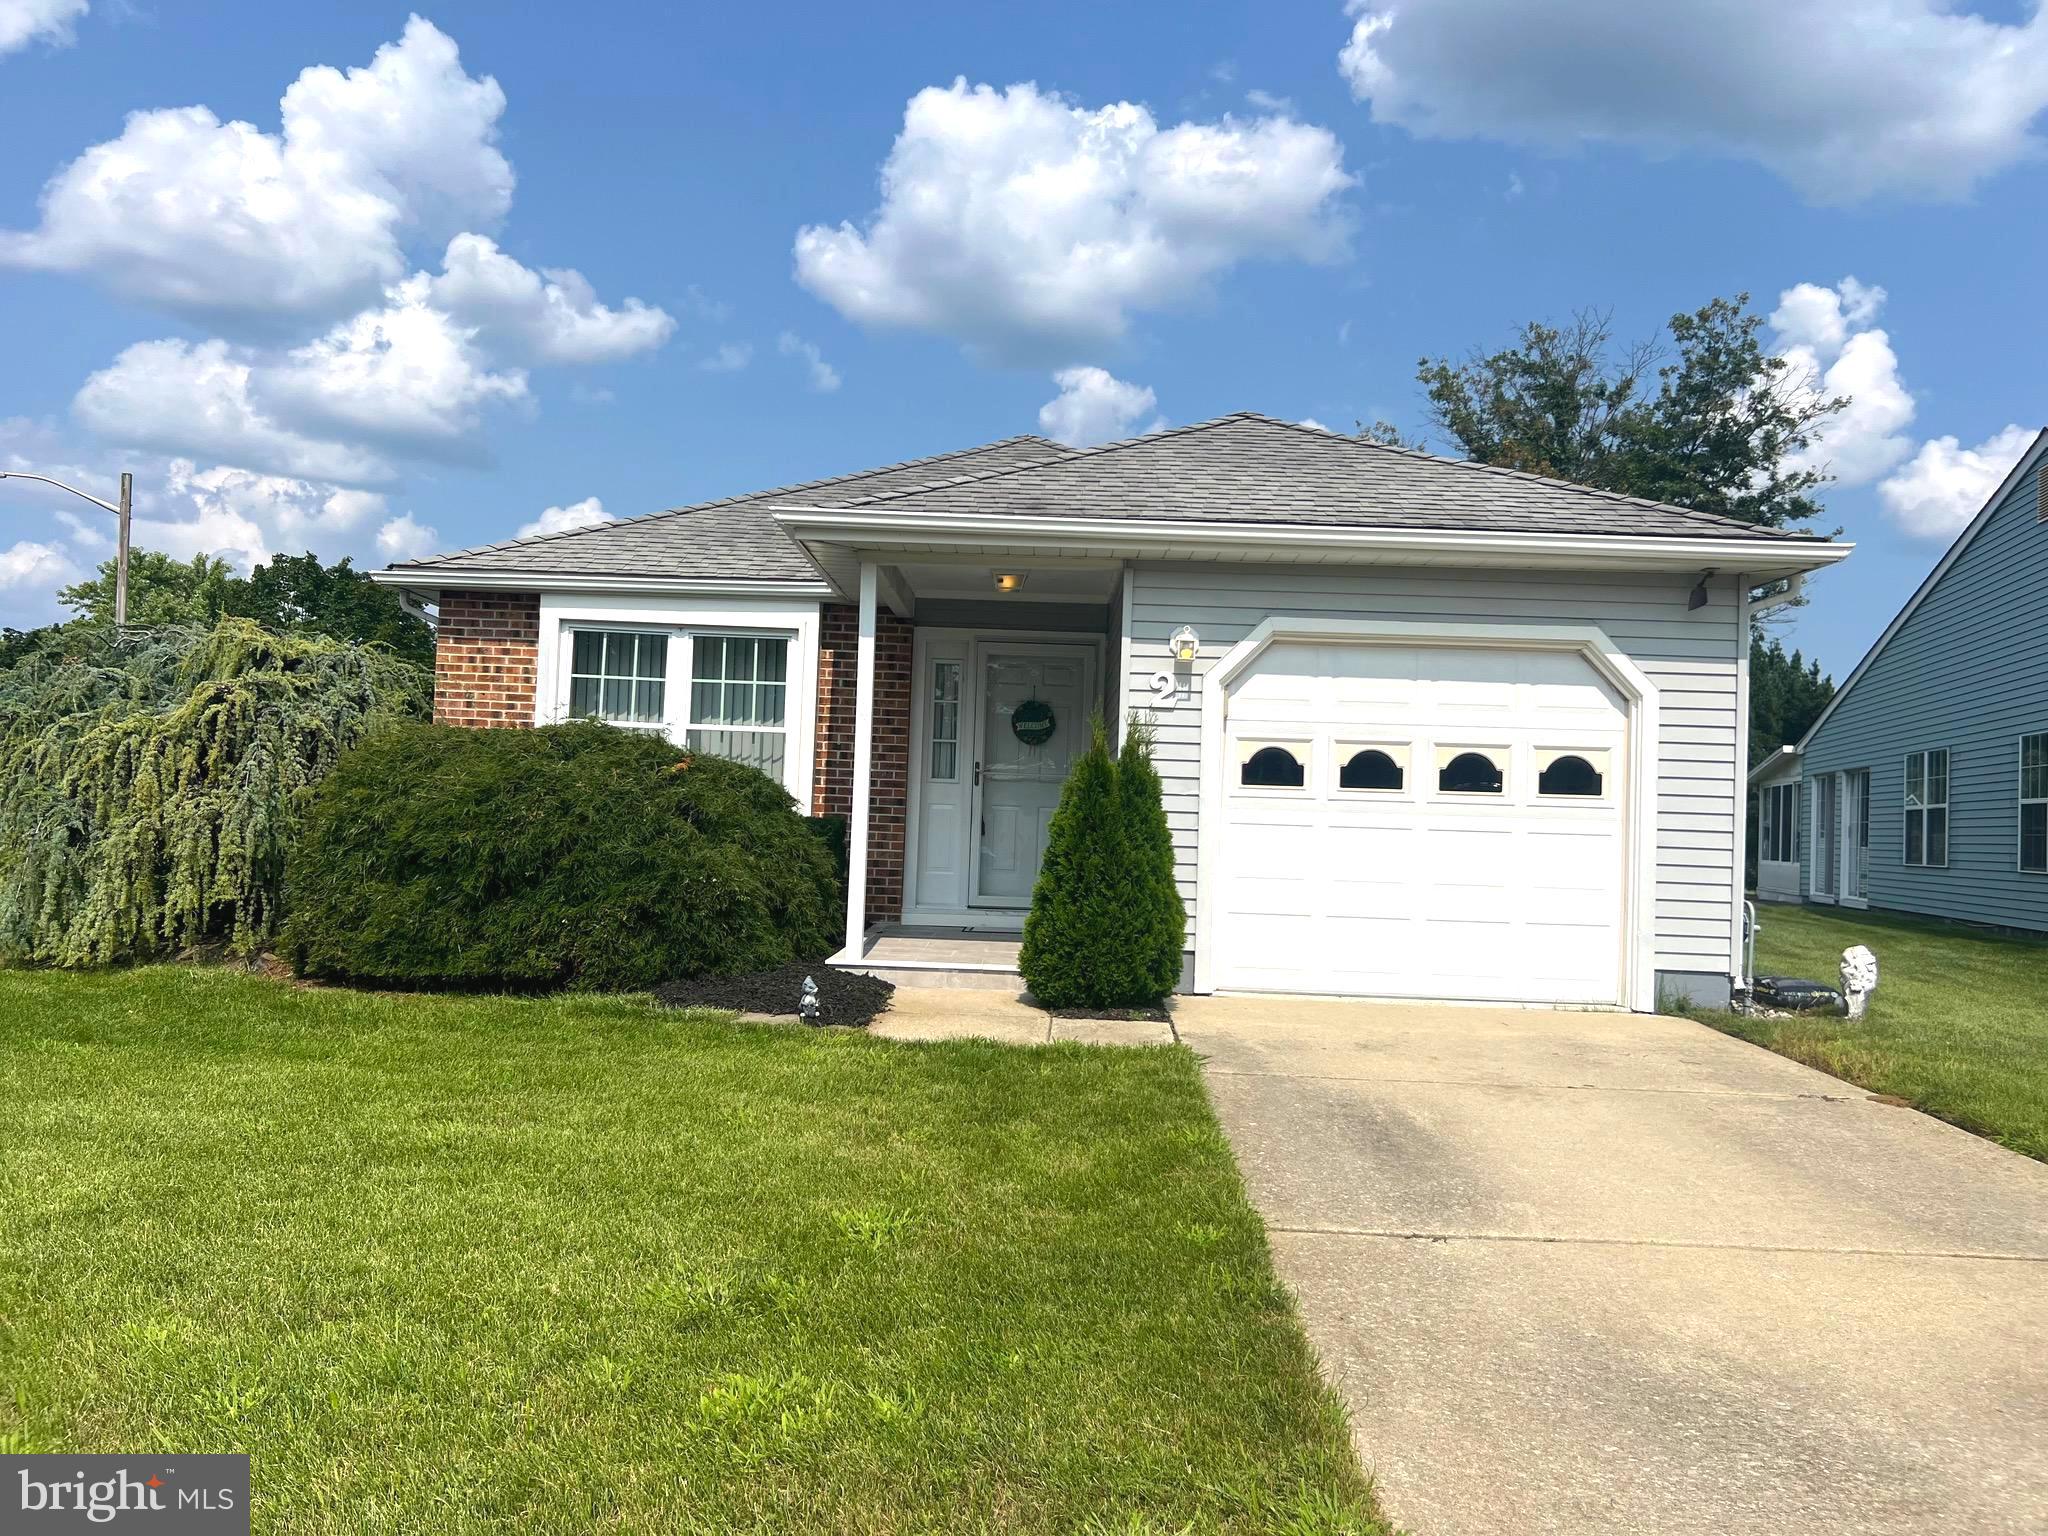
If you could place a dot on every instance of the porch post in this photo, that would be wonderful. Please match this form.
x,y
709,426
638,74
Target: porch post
x,y
863,751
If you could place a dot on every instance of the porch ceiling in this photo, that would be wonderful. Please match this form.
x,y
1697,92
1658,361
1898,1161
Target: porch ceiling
x,y
1037,580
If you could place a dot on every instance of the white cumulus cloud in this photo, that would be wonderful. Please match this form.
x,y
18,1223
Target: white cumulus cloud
x,y
1934,494
823,376
1023,224
408,374
1094,406
1827,336
552,316
404,538
1845,99
27,563
730,357
195,398
241,226
587,513
30,21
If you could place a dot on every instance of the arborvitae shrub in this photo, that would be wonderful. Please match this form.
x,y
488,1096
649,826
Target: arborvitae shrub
x,y
153,784
1106,923
574,855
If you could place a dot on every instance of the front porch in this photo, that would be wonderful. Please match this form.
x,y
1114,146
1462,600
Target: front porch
x,y
927,955
960,690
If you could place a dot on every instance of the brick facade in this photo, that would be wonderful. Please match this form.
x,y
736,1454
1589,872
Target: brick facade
x,y
889,770
486,655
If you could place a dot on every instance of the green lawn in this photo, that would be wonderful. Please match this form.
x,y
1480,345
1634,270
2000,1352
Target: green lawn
x,y
1958,1025
446,1265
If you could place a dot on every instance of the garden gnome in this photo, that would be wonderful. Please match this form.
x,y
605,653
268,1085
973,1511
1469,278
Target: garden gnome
x,y
807,1005
1859,979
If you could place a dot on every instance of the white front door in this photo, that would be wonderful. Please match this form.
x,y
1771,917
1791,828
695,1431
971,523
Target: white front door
x,y
1021,761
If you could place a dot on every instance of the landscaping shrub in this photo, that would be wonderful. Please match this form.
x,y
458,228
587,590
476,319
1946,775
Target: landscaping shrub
x,y
1106,922
577,855
153,784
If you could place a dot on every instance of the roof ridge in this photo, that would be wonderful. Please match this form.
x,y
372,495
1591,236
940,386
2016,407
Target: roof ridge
x,y
533,539
1713,519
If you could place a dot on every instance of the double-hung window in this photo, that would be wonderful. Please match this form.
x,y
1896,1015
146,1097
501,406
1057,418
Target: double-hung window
x,y
620,676
2034,803
739,699
1927,807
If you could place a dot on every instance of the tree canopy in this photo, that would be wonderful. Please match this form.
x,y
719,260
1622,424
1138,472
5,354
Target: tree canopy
x,y
288,594
1786,695
1708,420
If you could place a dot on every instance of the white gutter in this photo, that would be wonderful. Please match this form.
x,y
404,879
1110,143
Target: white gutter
x,y
1130,536
428,579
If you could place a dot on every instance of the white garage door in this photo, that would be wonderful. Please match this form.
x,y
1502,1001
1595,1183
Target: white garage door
x,y
1419,821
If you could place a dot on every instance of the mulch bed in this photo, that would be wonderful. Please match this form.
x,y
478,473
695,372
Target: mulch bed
x,y
844,997
1128,1015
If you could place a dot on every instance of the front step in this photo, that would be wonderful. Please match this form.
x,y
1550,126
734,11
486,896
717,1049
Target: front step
x,y
963,958
963,977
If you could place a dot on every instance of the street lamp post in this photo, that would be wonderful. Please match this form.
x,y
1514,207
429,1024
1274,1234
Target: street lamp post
x,y
124,511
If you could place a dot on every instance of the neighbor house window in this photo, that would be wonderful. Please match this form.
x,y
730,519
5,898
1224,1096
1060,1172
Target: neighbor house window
x,y
618,675
2034,803
738,699
1927,807
1778,839
945,720
1270,767
1461,771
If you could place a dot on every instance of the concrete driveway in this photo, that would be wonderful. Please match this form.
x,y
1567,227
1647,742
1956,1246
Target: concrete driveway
x,y
1584,1272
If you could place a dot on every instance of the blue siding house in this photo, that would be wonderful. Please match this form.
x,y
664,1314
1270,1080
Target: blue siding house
x,y
1924,784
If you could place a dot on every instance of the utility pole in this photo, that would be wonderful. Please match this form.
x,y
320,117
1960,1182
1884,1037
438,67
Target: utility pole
x,y
123,512
121,551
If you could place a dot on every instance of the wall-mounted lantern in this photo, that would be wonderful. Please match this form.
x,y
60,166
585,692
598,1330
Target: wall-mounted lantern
x,y
1186,644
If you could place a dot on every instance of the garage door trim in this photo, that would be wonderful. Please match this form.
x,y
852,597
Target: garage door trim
x,y
1588,640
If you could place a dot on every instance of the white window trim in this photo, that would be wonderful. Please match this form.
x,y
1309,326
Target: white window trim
x,y
795,620
2025,799
1814,863
1948,768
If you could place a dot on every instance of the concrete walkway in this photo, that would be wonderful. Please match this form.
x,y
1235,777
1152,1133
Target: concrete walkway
x,y
957,1013
1588,1273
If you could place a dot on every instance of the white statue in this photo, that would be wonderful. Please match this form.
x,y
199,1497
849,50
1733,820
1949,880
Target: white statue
x,y
1859,978
807,1004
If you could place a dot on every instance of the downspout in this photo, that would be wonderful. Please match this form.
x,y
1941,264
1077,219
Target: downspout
x,y
410,603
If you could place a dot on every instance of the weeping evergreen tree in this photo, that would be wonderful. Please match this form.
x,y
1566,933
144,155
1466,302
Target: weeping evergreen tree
x,y
151,785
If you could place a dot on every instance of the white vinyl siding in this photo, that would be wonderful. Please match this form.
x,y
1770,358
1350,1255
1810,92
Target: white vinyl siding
x,y
1690,656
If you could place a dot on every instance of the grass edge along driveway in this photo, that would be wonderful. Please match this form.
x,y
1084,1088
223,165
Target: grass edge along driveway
x,y
1958,1026
451,1264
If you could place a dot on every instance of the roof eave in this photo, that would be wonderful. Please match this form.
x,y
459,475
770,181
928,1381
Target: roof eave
x,y
429,578
830,534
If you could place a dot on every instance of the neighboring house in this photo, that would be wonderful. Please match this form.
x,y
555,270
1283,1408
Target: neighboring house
x,y
1926,777
1427,728
1775,781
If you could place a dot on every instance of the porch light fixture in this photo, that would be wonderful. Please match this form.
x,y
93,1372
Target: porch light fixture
x,y
1186,643
1697,598
1008,581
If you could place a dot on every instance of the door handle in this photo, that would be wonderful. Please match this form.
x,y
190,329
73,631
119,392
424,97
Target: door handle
x,y
977,775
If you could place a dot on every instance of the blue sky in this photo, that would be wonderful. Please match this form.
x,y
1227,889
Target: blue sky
x,y
346,324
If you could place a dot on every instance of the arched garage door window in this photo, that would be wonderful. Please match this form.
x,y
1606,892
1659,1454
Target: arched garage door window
x,y
1370,768
1571,774
1272,768
1471,773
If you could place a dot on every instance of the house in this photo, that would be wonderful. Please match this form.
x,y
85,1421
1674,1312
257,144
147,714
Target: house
x,y
1926,777
1427,728
1775,783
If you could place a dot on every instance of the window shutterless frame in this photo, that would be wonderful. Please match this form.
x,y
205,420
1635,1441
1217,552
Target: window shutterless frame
x,y
1926,816
2033,806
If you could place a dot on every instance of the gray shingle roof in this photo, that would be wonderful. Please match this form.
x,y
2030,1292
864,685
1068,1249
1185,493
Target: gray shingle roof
x,y
1248,468
733,539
